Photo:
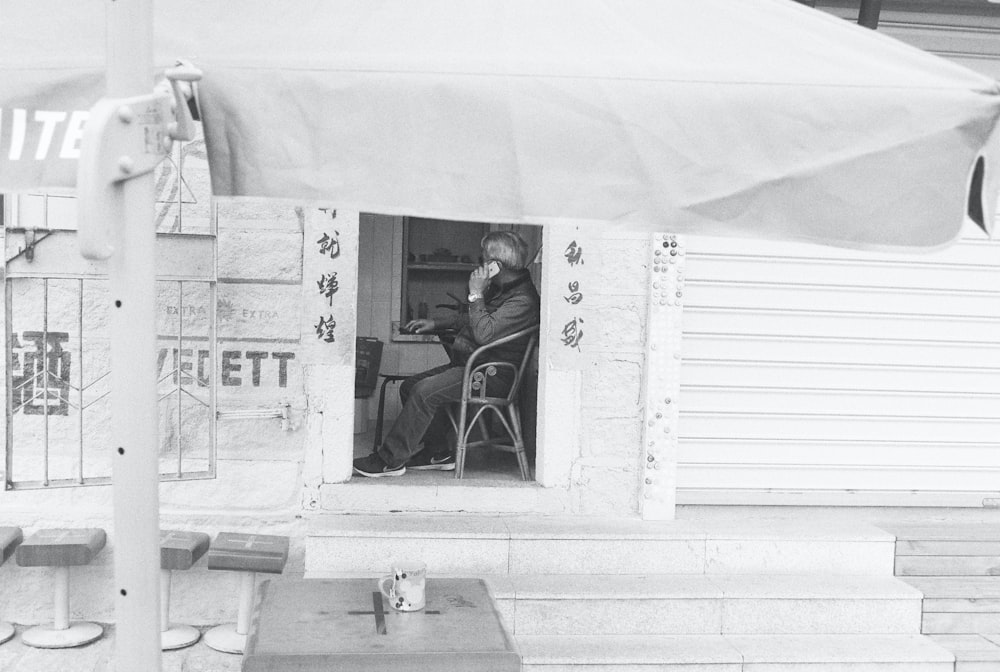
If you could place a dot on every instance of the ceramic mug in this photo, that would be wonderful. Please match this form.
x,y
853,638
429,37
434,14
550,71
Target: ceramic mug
x,y
407,586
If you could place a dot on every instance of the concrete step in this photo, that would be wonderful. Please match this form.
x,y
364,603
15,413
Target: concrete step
x,y
947,549
958,624
959,605
575,604
722,604
945,531
973,653
609,653
733,653
948,565
480,544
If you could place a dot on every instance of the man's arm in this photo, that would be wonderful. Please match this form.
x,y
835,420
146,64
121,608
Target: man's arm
x,y
456,321
516,313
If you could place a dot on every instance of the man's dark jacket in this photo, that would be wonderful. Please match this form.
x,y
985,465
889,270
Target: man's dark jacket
x,y
509,306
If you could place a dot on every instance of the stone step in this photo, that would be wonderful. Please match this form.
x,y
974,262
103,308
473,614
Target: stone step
x,y
721,604
947,531
947,549
963,605
733,653
956,587
948,565
478,544
973,653
609,653
960,623
574,604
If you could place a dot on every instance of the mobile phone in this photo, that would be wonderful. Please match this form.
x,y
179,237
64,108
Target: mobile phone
x,y
492,269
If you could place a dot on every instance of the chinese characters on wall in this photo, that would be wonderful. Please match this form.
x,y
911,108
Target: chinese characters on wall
x,y
572,313
328,246
41,370
572,331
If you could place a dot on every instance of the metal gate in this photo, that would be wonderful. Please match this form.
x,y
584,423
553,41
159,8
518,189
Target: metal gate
x,y
58,358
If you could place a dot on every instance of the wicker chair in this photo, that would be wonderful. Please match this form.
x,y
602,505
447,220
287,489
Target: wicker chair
x,y
472,409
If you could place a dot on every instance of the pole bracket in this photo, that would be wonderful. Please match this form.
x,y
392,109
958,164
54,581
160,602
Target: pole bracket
x,y
126,138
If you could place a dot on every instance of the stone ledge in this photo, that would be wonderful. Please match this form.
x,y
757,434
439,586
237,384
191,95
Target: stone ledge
x,y
737,651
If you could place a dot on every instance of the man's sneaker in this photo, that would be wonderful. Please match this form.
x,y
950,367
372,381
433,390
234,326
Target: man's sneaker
x,y
374,466
424,461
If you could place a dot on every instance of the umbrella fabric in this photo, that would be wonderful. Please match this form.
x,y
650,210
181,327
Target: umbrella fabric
x,y
760,118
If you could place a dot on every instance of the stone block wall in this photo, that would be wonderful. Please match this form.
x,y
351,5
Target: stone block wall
x,y
258,367
591,414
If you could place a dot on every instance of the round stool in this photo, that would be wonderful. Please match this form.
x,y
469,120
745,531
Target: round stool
x,y
61,549
247,554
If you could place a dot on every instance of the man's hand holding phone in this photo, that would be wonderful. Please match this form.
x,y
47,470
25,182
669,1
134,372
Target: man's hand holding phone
x,y
480,278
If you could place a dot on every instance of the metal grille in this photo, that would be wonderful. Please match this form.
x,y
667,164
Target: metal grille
x,y
58,358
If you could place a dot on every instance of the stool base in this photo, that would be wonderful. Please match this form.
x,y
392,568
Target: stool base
x,y
77,634
178,637
6,632
224,638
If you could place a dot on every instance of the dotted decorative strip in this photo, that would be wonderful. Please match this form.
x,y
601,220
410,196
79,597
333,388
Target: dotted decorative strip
x,y
662,379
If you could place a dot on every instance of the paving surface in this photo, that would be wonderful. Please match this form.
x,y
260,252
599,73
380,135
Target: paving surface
x,y
97,657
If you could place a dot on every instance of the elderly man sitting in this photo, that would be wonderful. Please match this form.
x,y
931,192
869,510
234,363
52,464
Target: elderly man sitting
x,y
502,301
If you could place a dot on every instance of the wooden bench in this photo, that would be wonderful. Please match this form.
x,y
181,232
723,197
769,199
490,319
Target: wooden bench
x,y
247,554
10,537
61,549
178,551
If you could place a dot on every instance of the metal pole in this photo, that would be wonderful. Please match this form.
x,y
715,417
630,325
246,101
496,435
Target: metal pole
x,y
45,373
165,576
8,298
79,370
247,582
180,382
132,279
60,595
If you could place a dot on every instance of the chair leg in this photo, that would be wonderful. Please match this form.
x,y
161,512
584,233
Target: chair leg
x,y
518,436
484,428
381,416
460,440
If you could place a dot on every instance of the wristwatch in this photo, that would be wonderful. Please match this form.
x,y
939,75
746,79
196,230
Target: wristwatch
x,y
474,297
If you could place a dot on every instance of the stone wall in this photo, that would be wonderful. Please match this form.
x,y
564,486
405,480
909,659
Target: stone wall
x,y
594,337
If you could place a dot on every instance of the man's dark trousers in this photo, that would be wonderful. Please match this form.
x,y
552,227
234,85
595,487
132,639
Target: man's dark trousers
x,y
424,416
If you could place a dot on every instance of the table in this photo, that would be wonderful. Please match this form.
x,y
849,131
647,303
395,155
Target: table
x,y
346,625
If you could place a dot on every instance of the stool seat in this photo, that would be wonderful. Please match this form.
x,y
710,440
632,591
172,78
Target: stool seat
x,y
61,547
242,552
10,537
180,550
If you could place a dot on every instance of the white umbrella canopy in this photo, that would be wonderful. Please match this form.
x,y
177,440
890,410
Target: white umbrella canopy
x,y
731,117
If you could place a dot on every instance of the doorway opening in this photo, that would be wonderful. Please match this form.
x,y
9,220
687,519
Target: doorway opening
x,y
414,268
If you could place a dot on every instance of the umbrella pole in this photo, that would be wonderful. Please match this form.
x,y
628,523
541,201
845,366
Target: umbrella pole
x,y
132,276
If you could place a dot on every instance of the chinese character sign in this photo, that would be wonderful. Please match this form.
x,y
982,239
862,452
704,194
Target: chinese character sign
x,y
41,373
329,292
572,250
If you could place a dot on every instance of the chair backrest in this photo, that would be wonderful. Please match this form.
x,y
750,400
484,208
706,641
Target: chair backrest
x,y
531,333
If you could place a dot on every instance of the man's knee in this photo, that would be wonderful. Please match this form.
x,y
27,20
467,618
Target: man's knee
x,y
420,389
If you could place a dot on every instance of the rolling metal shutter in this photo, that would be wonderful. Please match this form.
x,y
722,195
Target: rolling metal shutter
x,y
808,369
